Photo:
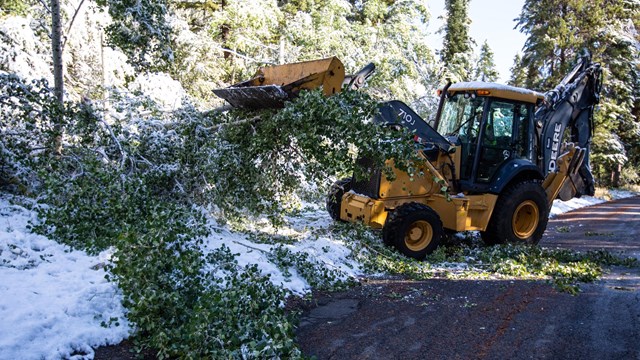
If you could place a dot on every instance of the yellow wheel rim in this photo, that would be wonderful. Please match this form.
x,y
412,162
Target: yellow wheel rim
x,y
525,219
418,235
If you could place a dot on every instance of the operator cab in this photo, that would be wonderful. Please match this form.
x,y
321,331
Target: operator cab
x,y
493,125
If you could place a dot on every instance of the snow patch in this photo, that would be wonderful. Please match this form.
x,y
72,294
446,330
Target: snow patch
x,y
561,207
321,246
52,300
21,51
160,87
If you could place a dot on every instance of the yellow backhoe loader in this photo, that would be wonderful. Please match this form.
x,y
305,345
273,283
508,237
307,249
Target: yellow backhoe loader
x,y
498,151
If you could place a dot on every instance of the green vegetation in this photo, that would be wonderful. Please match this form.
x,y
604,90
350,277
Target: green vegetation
x,y
457,45
469,258
141,185
13,7
485,67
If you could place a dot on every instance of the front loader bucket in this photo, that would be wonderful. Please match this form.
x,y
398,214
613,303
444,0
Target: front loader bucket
x,y
271,86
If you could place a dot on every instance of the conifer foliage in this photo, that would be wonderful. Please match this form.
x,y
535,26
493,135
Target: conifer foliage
x,y
457,44
560,31
518,72
485,67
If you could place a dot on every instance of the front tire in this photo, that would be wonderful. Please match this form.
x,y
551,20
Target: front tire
x,y
414,229
520,216
334,197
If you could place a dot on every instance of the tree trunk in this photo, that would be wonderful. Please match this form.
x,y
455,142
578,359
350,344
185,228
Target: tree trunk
x,y
615,176
224,32
58,81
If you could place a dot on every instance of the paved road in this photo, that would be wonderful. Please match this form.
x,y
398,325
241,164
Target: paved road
x,y
444,319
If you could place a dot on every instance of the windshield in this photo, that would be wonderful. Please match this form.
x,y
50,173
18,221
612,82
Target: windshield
x,y
461,115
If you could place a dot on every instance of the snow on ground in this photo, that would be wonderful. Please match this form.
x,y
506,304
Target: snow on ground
x,y
53,300
321,247
560,207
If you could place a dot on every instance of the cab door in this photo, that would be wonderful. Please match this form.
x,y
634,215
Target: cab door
x,y
505,135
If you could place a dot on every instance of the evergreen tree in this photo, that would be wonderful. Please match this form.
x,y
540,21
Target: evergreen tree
x,y
552,44
485,67
560,30
457,44
518,73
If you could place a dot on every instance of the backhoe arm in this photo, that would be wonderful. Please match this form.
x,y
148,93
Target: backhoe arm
x,y
570,107
557,183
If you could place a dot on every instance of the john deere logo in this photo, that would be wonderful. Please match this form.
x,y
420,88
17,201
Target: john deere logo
x,y
555,145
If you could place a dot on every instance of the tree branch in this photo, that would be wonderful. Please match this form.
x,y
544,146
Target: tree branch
x,y
71,23
45,29
46,7
239,122
123,155
246,57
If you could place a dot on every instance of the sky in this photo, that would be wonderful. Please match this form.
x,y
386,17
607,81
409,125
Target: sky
x,y
491,20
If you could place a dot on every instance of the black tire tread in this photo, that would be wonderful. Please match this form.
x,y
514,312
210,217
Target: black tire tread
x,y
498,231
334,197
395,220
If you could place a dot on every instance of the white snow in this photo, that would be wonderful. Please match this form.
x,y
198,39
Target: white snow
x,y
321,246
167,92
493,86
53,300
560,207
21,50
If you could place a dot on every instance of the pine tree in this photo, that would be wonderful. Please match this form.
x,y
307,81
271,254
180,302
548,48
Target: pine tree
x,y
457,44
560,30
518,73
485,67
552,45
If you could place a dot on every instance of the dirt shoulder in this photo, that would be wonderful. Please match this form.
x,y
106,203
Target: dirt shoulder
x,y
446,319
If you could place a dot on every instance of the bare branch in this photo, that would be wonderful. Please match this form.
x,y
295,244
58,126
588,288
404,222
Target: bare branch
x,y
71,23
257,43
45,29
239,122
45,6
246,57
123,155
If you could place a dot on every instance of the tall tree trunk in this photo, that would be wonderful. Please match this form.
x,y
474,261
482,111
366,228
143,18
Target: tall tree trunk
x,y
58,81
224,31
615,176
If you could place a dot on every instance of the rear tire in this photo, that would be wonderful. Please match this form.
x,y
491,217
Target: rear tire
x,y
334,197
414,229
520,216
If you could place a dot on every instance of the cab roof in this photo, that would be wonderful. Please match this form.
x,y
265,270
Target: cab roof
x,y
497,90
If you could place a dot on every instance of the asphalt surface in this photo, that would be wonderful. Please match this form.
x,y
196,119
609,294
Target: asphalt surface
x,y
446,319
462,319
